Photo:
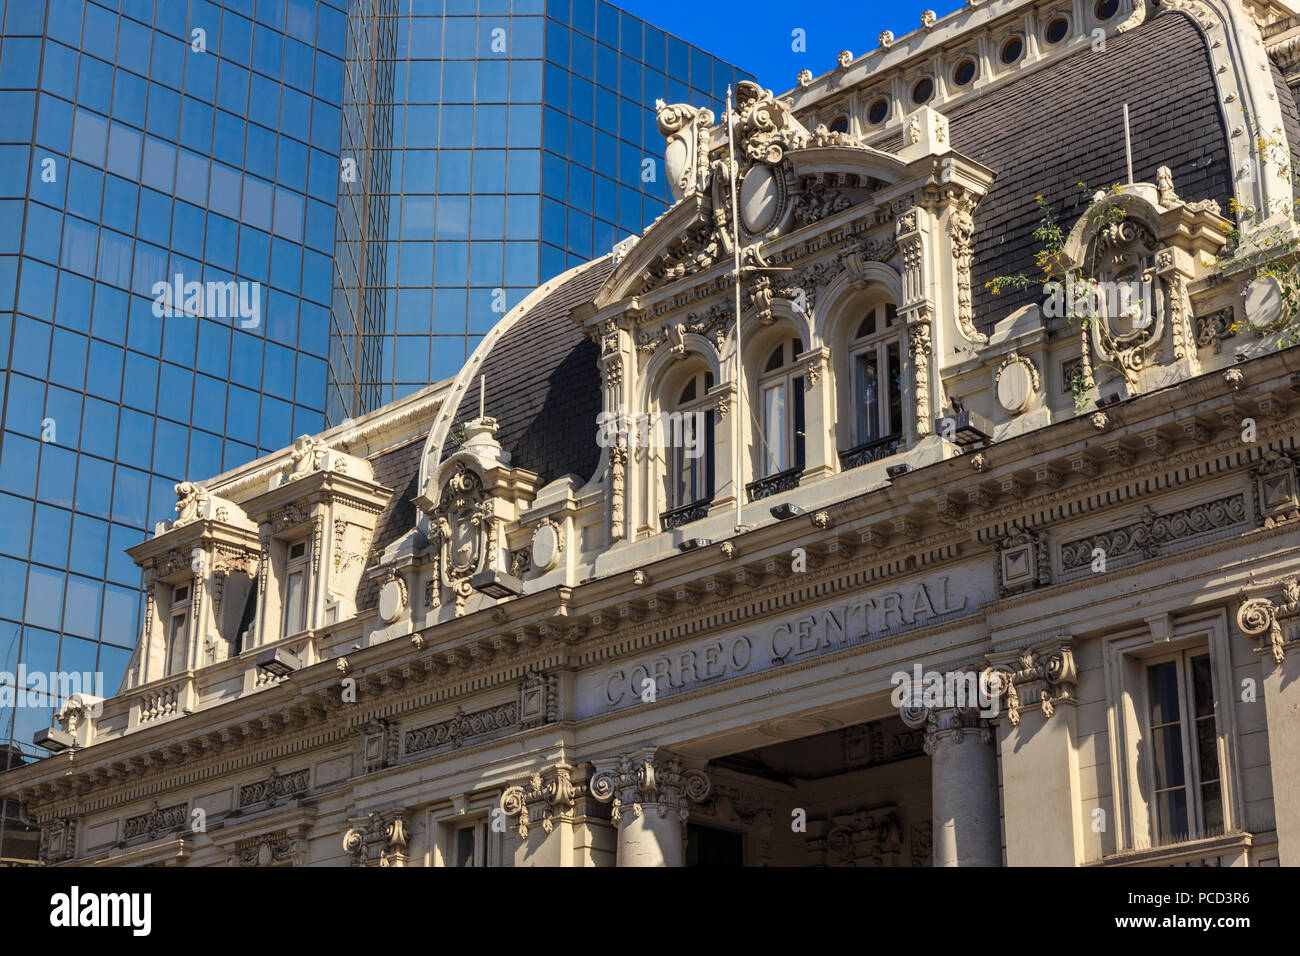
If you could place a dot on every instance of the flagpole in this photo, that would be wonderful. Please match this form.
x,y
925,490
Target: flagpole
x,y
739,427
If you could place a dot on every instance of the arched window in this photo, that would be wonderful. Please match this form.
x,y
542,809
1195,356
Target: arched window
x,y
876,376
781,408
687,431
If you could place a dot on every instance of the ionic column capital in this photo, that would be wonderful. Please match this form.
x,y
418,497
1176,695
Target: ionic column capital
x,y
942,724
650,778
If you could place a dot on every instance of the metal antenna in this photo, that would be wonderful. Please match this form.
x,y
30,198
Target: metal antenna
x,y
740,365
1128,146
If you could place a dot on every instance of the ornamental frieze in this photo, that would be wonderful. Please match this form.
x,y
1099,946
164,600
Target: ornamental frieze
x,y
269,849
156,821
871,837
274,788
1147,537
462,728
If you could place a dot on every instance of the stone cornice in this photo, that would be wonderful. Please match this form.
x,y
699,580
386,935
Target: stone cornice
x,y
553,627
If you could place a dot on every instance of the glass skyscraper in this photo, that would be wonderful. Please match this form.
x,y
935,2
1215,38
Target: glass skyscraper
x,y
382,179
496,144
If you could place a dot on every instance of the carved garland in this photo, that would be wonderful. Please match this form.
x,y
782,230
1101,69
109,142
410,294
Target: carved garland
x,y
961,230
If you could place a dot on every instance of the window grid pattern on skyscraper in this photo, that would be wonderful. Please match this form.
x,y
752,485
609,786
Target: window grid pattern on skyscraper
x,y
523,142
138,142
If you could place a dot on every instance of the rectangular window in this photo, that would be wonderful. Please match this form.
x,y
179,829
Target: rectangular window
x,y
295,588
774,418
1185,777
176,642
463,853
868,397
473,843
878,375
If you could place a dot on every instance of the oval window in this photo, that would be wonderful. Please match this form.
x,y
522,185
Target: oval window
x,y
964,73
878,112
1057,29
1107,9
1012,49
923,90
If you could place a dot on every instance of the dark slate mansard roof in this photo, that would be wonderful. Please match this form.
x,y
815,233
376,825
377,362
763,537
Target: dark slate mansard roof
x,y
1042,134
1063,125
543,388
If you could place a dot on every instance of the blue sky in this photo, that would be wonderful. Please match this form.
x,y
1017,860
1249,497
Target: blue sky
x,y
757,36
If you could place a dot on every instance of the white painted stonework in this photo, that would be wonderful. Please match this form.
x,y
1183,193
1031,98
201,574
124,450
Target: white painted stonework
x,y
497,661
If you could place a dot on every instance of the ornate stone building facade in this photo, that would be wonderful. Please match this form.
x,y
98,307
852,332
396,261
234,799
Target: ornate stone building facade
x,y
507,622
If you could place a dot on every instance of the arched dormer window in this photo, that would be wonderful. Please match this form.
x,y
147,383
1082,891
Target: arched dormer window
x,y
687,431
875,354
781,410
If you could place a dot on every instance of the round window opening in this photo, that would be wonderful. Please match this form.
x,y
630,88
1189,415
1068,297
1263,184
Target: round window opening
x,y
1012,49
923,90
1107,9
1057,29
878,111
840,124
964,73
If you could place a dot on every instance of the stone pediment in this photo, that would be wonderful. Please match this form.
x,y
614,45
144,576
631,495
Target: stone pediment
x,y
786,178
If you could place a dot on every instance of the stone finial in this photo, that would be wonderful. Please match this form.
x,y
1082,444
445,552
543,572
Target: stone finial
x,y
928,18
804,78
886,38
844,59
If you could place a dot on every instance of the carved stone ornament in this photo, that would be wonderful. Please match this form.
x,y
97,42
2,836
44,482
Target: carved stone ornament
x,y
765,126
804,78
1145,538
918,344
617,481
649,781
155,822
269,849
377,839
961,231
58,841
1049,667
307,456
290,516
1023,562
1126,330
464,534
946,723
1260,615
1017,383
275,788
462,727
686,155
191,503
393,598
1277,498
548,798
861,838
547,545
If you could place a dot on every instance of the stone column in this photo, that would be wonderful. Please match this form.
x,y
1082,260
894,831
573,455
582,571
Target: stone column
x,y
1275,623
964,785
650,791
